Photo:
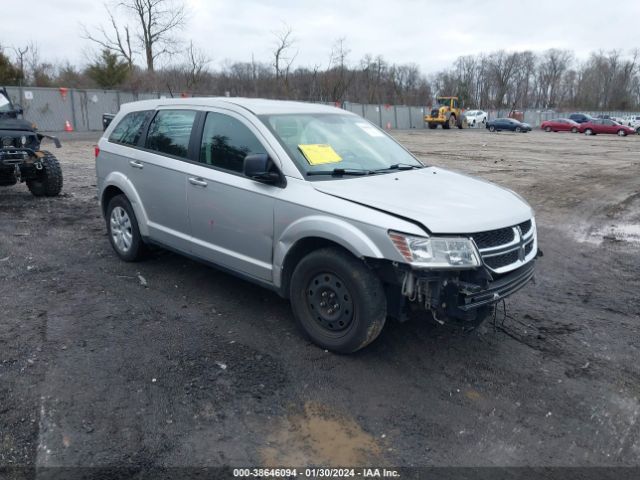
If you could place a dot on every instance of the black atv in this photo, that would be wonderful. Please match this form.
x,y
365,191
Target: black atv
x,y
20,156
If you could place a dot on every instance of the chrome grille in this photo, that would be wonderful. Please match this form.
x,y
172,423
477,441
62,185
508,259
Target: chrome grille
x,y
493,238
505,249
502,260
525,227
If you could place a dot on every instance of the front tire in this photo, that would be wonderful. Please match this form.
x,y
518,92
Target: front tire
x,y
48,182
492,128
574,130
123,231
338,302
547,129
518,130
622,133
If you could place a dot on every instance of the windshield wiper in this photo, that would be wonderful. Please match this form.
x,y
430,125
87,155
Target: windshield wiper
x,y
342,171
399,166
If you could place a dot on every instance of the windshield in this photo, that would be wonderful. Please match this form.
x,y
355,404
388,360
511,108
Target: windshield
x,y
5,104
444,102
336,142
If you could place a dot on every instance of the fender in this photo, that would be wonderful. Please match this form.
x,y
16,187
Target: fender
x,y
122,182
336,230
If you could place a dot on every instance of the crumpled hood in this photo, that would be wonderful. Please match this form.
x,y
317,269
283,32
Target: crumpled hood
x,y
440,200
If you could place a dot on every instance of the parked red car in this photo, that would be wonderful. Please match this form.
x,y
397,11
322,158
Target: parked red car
x,y
604,125
560,125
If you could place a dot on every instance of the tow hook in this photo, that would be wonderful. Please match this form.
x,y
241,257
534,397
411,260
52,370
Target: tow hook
x,y
38,165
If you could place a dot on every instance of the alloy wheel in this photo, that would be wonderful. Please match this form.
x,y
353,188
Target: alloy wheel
x,y
121,229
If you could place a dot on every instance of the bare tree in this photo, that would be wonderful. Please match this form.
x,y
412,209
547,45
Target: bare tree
x,y
283,56
117,40
195,66
155,23
20,58
338,76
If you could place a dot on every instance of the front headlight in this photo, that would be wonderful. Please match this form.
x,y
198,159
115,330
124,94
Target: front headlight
x,y
436,252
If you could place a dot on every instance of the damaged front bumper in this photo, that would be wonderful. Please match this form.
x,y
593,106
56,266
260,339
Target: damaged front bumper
x,y
454,295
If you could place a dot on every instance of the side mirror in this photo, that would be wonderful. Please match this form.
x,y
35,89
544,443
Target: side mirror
x,y
18,109
259,167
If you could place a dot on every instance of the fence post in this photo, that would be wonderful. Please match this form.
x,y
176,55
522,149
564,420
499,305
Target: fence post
x,y
73,109
410,118
380,116
395,116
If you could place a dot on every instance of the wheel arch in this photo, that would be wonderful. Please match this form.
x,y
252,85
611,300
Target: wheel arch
x,y
304,236
117,184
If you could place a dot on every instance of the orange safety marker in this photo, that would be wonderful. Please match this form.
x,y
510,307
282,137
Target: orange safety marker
x,y
67,126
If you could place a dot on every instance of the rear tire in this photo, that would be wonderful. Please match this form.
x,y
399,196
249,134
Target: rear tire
x,y
338,302
574,130
48,182
588,131
122,228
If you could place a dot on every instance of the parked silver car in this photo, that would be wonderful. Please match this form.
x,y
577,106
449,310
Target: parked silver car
x,y
317,204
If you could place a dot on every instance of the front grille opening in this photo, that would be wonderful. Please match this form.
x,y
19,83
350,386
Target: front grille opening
x,y
525,227
502,260
527,248
493,238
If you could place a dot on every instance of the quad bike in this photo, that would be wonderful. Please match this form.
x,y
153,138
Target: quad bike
x,y
21,159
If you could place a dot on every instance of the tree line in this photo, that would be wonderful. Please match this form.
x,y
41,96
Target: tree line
x,y
145,54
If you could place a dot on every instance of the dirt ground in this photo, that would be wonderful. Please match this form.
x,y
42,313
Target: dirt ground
x,y
200,368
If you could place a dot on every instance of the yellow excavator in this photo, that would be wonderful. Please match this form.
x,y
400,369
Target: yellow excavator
x,y
446,112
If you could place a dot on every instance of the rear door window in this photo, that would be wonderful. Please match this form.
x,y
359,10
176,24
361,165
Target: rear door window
x,y
130,128
226,141
170,132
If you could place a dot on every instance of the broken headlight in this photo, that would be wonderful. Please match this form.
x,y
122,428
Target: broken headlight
x,y
436,252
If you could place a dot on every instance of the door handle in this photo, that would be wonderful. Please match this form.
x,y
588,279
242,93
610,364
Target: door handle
x,y
197,181
136,164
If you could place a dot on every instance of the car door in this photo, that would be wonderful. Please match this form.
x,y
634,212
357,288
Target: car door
x,y
161,181
610,126
231,215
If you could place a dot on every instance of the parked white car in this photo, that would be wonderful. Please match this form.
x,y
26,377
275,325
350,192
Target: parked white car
x,y
476,117
632,121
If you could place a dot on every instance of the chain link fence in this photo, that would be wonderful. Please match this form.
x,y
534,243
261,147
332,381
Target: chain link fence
x,y
60,109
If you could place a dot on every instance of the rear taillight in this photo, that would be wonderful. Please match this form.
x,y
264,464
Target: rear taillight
x,y
96,151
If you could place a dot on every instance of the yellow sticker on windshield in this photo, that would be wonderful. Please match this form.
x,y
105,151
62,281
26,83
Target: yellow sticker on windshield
x,y
319,154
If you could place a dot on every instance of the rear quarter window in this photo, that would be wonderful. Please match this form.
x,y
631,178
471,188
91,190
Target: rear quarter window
x,y
130,128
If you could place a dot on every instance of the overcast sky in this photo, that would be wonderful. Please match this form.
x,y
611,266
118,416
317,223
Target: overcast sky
x,y
430,33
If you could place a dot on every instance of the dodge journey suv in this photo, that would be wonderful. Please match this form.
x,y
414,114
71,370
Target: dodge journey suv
x,y
317,204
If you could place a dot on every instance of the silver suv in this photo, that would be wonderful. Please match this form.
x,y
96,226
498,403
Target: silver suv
x,y
317,204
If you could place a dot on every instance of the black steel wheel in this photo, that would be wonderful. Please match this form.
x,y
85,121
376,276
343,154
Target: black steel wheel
x,y
330,302
338,302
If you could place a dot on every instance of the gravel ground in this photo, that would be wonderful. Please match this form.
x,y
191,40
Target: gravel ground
x,y
200,368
